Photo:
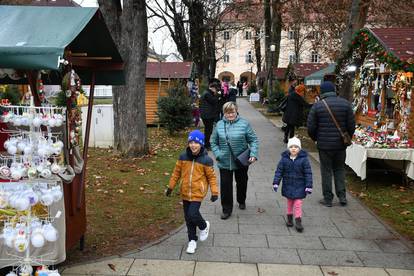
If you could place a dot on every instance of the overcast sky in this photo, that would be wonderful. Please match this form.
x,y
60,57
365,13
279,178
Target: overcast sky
x,y
161,40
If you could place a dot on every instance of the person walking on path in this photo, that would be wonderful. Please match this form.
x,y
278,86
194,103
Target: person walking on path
x,y
240,88
209,109
232,93
235,132
295,171
293,114
245,88
195,168
322,129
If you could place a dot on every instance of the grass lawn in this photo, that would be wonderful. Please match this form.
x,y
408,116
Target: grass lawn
x,y
126,205
386,196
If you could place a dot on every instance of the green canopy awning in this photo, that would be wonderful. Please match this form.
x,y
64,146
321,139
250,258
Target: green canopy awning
x,y
316,78
36,38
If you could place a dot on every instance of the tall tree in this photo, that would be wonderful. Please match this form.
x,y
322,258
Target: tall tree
x,y
267,32
276,29
129,29
357,19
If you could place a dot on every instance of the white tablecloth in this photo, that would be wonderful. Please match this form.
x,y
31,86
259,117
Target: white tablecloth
x,y
357,155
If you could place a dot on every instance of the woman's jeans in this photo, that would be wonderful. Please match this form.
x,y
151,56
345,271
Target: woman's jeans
x,y
333,163
193,218
226,188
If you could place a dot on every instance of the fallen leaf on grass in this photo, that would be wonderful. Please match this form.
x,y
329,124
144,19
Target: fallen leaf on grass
x,y
385,205
112,266
362,195
124,170
166,173
405,201
333,273
124,182
98,176
404,213
120,191
141,188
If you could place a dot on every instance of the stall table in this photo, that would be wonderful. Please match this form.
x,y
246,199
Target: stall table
x,y
357,155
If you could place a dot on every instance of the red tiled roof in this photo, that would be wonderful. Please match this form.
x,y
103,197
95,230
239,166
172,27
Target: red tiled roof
x,y
173,70
398,40
252,13
305,69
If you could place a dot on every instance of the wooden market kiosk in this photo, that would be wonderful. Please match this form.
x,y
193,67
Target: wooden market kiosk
x,y
382,62
45,43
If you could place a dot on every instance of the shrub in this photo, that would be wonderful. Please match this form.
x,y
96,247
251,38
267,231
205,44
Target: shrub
x,y
252,88
174,110
12,94
275,98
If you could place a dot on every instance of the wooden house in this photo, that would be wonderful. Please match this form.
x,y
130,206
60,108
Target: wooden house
x,y
161,76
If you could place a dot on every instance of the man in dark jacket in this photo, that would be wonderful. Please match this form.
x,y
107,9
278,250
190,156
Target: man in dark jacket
x,y
322,129
209,109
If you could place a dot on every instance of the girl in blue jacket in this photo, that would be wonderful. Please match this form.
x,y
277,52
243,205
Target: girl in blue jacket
x,y
295,170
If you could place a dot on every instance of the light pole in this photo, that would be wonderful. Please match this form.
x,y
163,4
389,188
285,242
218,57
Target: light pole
x,y
270,86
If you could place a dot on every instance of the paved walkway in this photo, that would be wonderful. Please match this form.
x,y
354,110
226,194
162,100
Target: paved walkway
x,y
335,239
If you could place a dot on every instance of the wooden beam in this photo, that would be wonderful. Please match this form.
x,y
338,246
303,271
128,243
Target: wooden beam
x,y
98,65
79,54
94,58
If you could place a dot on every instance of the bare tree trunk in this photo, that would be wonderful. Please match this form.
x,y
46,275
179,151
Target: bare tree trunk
x,y
357,20
276,29
129,30
258,51
268,31
211,53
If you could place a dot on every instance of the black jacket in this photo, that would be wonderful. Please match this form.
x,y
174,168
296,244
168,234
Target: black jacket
x,y
293,114
321,127
232,94
209,106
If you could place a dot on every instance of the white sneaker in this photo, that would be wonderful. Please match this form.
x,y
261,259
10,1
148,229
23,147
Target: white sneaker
x,y
204,233
192,246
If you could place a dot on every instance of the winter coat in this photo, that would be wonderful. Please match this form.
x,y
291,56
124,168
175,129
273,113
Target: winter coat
x,y
321,127
296,175
293,114
196,173
209,105
232,94
241,136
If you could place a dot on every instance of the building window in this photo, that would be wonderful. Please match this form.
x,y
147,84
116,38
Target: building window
x,y
226,57
226,35
249,57
292,58
248,35
291,34
314,35
315,57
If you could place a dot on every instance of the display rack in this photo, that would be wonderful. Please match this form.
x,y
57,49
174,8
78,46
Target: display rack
x,y
30,186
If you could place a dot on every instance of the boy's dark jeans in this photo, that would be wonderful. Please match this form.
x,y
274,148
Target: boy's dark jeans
x,y
226,188
333,162
193,218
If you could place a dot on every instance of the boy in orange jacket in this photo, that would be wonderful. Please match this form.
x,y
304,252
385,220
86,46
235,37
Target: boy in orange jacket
x,y
195,168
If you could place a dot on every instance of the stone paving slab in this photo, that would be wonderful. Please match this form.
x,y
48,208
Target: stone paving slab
x,y
393,246
329,257
161,267
349,244
263,229
294,242
368,233
122,266
399,272
208,269
240,240
316,231
288,270
261,219
214,254
161,251
390,260
353,271
269,255
181,239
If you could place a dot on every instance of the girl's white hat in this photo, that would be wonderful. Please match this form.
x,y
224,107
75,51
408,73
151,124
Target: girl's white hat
x,y
294,141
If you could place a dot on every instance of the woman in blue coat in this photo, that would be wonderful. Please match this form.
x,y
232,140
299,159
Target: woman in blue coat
x,y
295,170
241,136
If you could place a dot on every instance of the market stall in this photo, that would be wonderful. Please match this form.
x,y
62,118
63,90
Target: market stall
x,y
39,46
382,64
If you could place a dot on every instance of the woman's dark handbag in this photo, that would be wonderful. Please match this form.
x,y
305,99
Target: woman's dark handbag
x,y
241,160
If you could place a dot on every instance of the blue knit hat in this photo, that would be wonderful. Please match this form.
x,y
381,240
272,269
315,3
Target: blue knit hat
x,y
196,136
327,86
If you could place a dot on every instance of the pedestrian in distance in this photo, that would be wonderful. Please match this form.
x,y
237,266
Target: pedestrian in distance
x,y
240,88
245,88
295,172
232,136
195,170
232,93
323,119
293,114
209,109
